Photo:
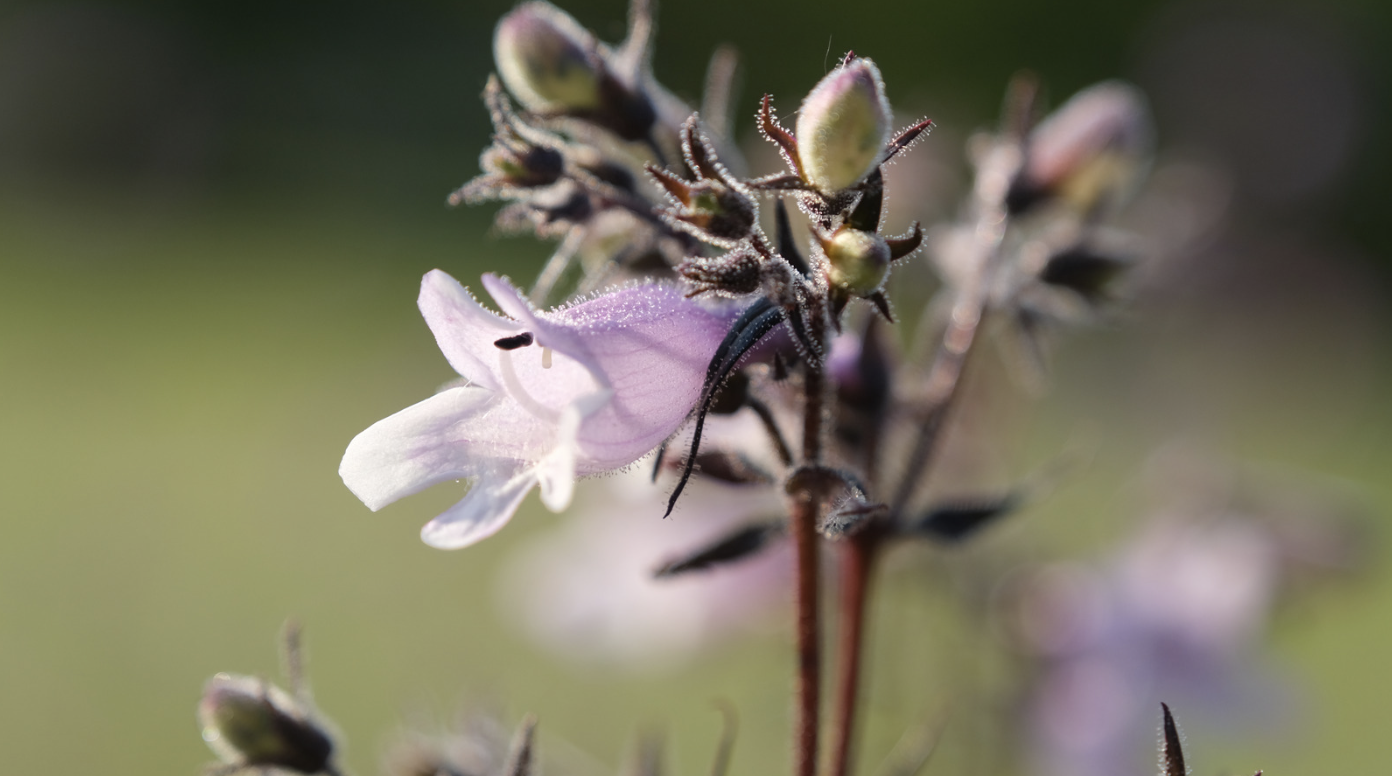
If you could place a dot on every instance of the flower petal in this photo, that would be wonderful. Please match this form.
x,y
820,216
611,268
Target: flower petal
x,y
464,329
488,507
549,333
648,343
415,448
556,471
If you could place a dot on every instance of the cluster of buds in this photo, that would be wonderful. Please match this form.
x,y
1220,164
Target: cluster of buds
x,y
737,321
595,156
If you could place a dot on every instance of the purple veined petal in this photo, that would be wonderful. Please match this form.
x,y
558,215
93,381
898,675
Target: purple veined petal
x,y
464,329
487,507
648,343
415,448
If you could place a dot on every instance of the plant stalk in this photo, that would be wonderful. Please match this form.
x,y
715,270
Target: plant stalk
x,y
806,512
857,561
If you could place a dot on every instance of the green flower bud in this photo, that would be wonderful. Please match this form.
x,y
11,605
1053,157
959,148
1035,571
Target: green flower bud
x,y
249,722
547,60
859,260
843,127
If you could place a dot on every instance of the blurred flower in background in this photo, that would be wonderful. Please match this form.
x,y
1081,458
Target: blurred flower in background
x,y
588,589
1178,613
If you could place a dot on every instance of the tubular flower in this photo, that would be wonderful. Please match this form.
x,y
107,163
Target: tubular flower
x,y
546,396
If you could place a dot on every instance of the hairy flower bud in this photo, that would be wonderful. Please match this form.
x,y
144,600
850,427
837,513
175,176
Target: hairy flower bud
x,y
1087,152
843,127
547,60
251,723
859,260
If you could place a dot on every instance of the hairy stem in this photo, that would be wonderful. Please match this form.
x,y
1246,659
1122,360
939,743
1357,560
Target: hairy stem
x,y
806,512
857,559
805,516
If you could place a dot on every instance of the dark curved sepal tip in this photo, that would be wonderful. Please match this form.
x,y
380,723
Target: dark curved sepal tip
x,y
771,129
519,762
753,324
741,543
949,523
881,303
906,138
1172,752
899,247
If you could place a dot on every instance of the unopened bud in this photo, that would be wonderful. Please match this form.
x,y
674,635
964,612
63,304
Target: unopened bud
x,y
547,60
528,166
1088,151
709,208
251,723
859,260
843,127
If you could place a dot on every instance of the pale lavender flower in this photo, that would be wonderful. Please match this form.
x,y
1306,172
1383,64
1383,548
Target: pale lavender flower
x,y
547,397
1178,616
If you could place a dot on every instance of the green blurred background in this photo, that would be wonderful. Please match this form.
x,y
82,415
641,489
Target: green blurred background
x,y
213,221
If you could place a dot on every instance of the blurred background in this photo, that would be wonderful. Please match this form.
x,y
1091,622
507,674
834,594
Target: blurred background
x,y
213,221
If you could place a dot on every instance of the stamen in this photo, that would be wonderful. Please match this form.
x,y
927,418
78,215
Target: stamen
x,y
546,358
514,387
514,342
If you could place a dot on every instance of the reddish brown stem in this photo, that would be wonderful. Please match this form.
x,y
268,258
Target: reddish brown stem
x,y
806,508
857,560
806,723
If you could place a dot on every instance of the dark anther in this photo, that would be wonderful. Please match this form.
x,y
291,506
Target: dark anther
x,y
514,342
